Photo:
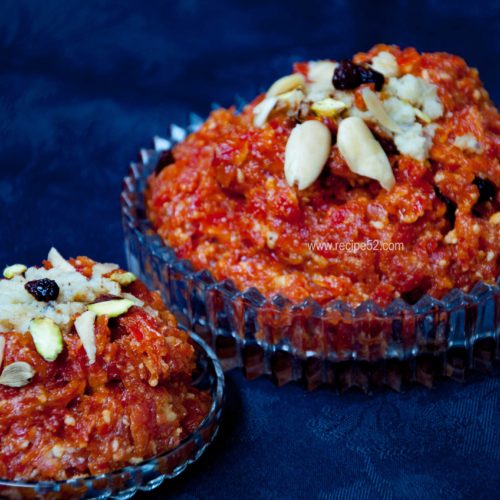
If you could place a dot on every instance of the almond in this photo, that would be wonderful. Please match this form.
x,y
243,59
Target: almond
x,y
362,153
84,326
376,108
263,110
2,349
306,153
285,84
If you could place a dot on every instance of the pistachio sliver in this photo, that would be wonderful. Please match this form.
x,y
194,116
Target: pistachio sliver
x,y
14,270
17,374
123,278
328,107
47,337
111,308
376,108
84,326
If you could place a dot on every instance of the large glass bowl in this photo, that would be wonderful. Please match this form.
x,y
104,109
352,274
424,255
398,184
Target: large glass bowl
x,y
151,473
365,346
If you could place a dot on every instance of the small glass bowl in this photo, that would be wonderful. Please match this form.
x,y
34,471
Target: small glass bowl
x,y
365,346
150,474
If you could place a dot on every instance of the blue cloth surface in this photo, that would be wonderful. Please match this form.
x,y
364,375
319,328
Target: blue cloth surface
x,y
85,84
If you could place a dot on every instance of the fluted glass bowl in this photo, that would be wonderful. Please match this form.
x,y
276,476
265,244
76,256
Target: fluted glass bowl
x,y
365,346
151,473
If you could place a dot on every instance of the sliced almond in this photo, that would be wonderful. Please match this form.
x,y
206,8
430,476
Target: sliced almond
x,y
306,153
58,261
328,107
17,374
285,84
84,326
376,108
362,153
263,110
2,349
420,114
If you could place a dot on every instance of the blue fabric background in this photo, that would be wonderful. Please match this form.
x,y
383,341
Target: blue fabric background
x,y
85,84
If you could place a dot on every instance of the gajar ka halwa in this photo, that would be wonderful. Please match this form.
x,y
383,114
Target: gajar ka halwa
x,y
94,373
371,178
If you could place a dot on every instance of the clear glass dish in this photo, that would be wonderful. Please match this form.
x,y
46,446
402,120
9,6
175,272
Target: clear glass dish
x,y
365,346
151,473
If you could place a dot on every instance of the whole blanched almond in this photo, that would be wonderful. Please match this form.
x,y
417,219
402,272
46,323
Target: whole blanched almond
x,y
285,84
362,153
306,153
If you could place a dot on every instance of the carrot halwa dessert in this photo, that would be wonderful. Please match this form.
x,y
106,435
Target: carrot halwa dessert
x,y
371,178
94,373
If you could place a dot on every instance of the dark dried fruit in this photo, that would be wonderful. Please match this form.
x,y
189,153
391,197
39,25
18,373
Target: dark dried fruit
x,y
369,75
451,206
166,159
349,76
43,290
487,190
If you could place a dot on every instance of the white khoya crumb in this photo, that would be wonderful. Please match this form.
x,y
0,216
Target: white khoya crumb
x,y
385,63
468,142
418,92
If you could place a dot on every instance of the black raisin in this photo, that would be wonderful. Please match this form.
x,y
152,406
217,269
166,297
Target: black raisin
x,y
166,158
451,206
346,76
487,190
369,75
43,290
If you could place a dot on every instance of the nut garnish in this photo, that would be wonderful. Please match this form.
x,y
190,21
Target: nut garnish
x,y
2,349
47,337
111,308
362,153
285,84
17,374
328,107
123,278
16,269
84,326
376,108
263,110
306,153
